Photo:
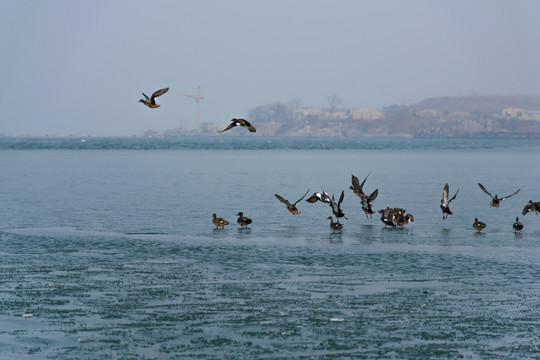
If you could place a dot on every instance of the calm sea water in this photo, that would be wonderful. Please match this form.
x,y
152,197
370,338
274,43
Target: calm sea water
x,y
107,250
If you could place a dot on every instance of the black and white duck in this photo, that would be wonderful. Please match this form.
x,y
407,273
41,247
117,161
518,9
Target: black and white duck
x,y
445,202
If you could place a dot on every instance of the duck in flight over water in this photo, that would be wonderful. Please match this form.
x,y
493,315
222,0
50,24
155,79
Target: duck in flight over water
x,y
530,207
239,122
151,101
495,200
366,200
291,207
336,207
445,202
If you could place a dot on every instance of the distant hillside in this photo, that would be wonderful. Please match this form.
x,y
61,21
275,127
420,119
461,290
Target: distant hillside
x,y
475,104
457,116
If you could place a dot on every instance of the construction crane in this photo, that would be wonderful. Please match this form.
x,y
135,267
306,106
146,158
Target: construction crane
x,y
198,99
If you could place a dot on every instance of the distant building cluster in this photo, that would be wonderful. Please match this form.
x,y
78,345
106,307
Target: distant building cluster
x,y
309,113
520,114
507,113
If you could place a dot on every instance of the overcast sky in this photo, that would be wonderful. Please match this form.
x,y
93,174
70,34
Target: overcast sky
x,y
79,67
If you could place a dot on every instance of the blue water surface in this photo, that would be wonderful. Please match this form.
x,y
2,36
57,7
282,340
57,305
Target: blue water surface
x,y
109,251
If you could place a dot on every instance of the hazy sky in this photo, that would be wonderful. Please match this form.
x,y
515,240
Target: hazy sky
x,y
79,67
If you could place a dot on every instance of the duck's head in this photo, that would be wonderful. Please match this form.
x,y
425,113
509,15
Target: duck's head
x,y
240,214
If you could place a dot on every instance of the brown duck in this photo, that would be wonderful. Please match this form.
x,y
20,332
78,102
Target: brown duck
x,y
291,207
239,122
219,221
478,225
151,101
517,226
495,200
358,189
335,226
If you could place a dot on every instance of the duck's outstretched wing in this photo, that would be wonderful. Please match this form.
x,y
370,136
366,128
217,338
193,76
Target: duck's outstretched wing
x,y
528,208
334,206
146,97
356,183
341,197
297,201
246,124
373,195
363,182
485,190
506,197
285,201
453,197
313,198
444,200
231,125
159,93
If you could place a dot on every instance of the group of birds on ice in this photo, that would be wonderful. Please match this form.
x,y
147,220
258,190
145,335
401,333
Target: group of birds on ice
x,y
389,216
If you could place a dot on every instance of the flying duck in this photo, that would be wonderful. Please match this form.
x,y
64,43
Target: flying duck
x,y
291,207
219,221
317,196
336,207
478,225
239,122
530,207
357,188
335,226
242,220
445,202
367,207
517,226
151,101
495,201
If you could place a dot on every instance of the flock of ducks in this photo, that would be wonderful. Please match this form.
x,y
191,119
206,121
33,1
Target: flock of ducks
x,y
389,216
